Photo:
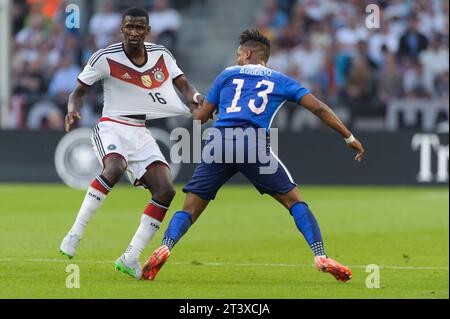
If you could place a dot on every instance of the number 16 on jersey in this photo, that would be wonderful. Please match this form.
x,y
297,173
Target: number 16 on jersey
x,y
157,97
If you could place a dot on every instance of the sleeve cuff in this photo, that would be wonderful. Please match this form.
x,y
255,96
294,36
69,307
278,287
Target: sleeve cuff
x,y
83,82
176,77
301,94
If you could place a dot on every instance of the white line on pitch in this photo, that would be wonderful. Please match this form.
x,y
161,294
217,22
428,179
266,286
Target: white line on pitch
x,y
215,264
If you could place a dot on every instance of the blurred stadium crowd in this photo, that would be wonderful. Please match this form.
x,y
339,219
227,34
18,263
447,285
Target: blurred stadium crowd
x,y
324,44
48,56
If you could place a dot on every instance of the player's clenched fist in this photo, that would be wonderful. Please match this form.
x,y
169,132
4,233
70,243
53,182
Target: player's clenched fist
x,y
70,118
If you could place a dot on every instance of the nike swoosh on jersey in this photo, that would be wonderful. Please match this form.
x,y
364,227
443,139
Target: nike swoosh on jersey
x,y
149,79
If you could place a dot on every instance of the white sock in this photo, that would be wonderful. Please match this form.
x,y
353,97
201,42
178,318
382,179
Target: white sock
x,y
144,234
92,201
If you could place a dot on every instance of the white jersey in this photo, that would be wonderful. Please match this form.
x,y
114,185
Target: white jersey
x,y
131,89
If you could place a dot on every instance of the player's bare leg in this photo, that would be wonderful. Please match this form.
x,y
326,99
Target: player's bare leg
x,y
114,166
158,180
178,226
307,225
194,205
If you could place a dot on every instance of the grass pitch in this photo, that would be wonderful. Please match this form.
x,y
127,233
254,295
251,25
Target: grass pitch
x,y
244,246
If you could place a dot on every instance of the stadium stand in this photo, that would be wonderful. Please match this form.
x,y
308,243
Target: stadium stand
x,y
324,44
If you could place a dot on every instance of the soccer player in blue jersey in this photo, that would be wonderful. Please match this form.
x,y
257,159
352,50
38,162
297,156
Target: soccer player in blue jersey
x,y
247,96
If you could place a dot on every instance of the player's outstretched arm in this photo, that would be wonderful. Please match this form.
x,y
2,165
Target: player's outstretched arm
x,y
326,114
189,92
204,112
74,105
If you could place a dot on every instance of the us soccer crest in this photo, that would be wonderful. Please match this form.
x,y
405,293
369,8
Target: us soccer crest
x,y
147,81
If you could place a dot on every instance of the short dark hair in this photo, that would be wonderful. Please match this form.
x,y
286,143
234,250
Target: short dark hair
x,y
135,12
257,41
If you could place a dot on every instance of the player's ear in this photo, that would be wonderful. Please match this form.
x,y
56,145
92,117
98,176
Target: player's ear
x,y
248,53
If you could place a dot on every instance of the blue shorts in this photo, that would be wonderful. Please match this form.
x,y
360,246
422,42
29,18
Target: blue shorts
x,y
223,156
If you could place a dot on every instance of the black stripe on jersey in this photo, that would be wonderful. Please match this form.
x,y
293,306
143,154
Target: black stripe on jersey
x,y
98,148
114,46
154,46
111,47
94,137
95,55
94,59
160,48
98,141
106,52
168,52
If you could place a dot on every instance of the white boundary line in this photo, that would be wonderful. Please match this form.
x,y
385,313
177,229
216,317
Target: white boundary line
x,y
111,262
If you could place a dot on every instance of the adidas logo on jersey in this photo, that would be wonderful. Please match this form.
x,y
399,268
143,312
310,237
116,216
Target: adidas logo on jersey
x,y
126,76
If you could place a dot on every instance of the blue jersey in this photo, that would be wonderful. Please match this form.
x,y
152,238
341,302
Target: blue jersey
x,y
252,94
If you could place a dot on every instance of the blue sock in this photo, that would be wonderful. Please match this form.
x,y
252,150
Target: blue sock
x,y
178,226
307,225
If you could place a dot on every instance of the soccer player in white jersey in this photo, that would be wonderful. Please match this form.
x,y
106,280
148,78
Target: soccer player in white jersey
x,y
138,82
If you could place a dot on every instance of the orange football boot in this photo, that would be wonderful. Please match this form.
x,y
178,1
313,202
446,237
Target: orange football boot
x,y
155,262
340,272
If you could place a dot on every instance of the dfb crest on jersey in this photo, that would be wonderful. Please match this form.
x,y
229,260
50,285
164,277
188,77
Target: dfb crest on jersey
x,y
146,80
159,76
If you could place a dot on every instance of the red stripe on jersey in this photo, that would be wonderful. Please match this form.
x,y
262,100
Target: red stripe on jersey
x,y
106,119
150,79
155,212
96,184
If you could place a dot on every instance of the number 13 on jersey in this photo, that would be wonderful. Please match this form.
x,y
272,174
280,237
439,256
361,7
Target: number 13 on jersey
x,y
251,103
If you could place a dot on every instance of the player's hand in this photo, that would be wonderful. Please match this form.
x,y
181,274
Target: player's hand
x,y
70,118
214,114
194,106
357,146
200,100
